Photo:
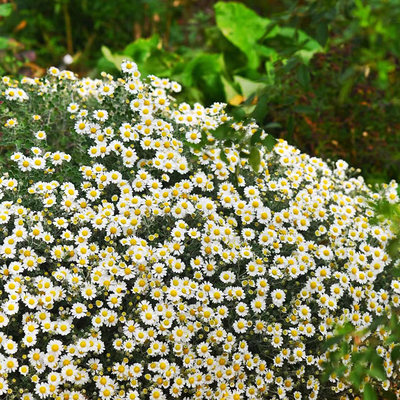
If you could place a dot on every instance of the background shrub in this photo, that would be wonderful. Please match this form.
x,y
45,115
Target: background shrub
x,y
323,75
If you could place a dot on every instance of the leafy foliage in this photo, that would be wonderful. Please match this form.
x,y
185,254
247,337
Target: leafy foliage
x,y
302,64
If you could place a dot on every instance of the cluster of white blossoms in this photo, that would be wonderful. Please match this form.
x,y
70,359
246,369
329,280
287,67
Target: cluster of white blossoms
x,y
164,272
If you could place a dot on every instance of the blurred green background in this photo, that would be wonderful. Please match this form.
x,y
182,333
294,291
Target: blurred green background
x,y
324,75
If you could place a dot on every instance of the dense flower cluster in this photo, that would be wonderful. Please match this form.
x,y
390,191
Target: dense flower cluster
x,y
164,272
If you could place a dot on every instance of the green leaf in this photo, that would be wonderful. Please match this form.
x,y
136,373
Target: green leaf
x,y
265,51
223,156
392,339
393,322
346,89
247,86
270,71
141,49
204,71
307,42
273,125
345,329
377,370
322,33
384,67
331,341
242,27
376,322
261,109
115,59
344,348
5,9
238,114
377,374
307,46
4,42
395,353
269,142
255,158
255,138
229,89
356,376
341,370
221,132
369,392
303,76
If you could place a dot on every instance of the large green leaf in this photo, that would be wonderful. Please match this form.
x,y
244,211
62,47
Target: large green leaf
x,y
247,86
306,45
141,49
114,58
5,9
242,27
204,71
147,53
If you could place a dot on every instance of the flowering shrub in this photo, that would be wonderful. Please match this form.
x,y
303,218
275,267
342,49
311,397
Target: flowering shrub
x,y
137,264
